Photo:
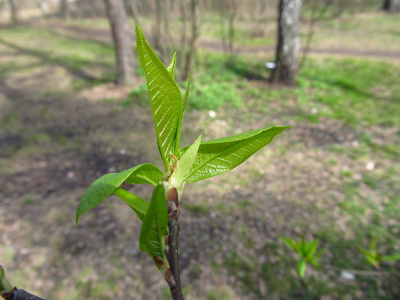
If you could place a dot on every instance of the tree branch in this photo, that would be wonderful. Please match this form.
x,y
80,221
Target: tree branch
x,y
173,235
19,294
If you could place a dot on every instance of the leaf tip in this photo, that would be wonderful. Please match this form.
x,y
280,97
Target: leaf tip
x,y
78,215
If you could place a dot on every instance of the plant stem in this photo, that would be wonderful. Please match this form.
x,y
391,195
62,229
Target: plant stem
x,y
304,289
173,255
19,294
8,292
173,235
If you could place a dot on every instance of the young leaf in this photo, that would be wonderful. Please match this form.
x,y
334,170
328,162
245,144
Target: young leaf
x,y
171,67
107,184
146,174
219,156
372,261
138,205
314,262
165,98
319,254
366,253
391,257
289,242
181,118
155,225
184,164
292,245
372,245
301,268
5,286
309,248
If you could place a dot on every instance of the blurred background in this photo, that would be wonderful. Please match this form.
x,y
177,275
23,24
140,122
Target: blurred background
x,y
69,113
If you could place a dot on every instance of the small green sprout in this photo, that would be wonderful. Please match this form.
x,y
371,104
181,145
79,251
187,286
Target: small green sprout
x,y
307,252
374,257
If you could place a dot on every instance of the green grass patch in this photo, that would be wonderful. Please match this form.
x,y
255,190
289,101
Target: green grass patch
x,y
357,91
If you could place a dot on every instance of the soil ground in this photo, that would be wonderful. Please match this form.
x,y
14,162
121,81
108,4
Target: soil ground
x,y
53,145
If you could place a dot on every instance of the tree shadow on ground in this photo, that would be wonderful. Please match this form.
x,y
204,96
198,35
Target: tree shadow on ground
x,y
75,66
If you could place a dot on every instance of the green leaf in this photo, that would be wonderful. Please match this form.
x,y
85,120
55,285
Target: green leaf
x,y
314,262
366,253
301,268
181,118
107,184
219,156
319,254
391,257
372,245
154,226
309,248
147,174
292,245
165,98
171,67
372,261
138,205
184,164
5,286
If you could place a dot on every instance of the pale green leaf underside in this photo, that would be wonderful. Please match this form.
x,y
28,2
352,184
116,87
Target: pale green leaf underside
x,y
185,163
219,156
165,97
155,223
107,184
138,205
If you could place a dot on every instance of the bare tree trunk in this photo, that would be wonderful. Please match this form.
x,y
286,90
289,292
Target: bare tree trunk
x,y
157,27
135,12
391,6
122,40
182,7
14,12
191,54
64,9
339,9
43,8
288,47
162,35
228,10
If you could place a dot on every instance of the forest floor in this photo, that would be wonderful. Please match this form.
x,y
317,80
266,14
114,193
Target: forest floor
x,y
335,175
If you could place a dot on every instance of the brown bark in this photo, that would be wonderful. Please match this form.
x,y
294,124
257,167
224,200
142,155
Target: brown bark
x,y
135,12
191,53
162,34
14,12
173,281
19,294
391,6
288,47
182,8
122,40
64,9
